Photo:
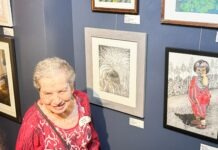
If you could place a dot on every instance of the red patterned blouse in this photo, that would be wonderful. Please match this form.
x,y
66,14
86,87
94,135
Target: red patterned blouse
x,y
36,134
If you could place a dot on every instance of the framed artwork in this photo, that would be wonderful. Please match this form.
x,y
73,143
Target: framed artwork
x,y
115,6
191,87
115,69
9,94
5,13
202,13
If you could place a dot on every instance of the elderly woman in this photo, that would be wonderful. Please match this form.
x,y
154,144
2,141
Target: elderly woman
x,y
61,118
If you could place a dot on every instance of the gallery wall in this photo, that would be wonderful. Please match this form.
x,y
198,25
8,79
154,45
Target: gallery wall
x,y
115,131
46,28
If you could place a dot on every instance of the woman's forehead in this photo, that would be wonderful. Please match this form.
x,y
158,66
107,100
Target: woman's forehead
x,y
53,80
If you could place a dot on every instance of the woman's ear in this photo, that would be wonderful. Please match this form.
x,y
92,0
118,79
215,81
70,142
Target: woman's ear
x,y
72,85
40,101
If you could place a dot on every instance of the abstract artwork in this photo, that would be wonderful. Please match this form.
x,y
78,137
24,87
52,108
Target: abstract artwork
x,y
197,6
201,13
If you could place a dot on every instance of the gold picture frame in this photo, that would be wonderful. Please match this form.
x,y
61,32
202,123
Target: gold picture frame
x,y
115,6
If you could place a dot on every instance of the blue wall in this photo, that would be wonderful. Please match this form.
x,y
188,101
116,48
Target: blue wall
x,y
56,28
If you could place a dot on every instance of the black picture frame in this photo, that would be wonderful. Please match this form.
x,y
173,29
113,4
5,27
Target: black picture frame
x,y
9,92
181,91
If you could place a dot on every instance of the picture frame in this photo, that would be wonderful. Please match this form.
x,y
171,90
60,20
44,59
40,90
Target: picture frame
x,y
9,93
115,6
5,13
190,99
181,12
115,69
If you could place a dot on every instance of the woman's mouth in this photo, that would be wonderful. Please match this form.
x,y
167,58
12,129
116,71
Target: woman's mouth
x,y
60,106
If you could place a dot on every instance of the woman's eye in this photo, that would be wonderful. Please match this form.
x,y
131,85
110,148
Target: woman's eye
x,y
62,92
48,94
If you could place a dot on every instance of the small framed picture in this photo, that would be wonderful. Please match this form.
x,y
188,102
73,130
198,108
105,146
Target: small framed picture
x,y
191,87
115,69
9,94
200,13
115,6
5,13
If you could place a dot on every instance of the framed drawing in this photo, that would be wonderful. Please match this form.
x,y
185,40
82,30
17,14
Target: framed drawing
x,y
9,94
5,13
200,13
115,69
191,99
115,6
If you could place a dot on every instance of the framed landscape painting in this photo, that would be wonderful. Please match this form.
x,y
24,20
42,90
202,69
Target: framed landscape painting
x,y
202,13
191,87
115,6
9,94
5,13
115,69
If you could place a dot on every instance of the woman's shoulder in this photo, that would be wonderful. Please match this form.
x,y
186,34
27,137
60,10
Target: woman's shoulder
x,y
29,131
81,96
31,115
80,93
83,100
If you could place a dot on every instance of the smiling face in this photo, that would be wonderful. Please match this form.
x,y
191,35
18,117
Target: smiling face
x,y
56,93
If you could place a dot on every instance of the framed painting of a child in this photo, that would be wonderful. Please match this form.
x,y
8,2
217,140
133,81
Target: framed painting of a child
x,y
191,99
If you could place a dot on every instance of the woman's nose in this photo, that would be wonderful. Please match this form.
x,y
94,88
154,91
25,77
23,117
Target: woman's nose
x,y
56,99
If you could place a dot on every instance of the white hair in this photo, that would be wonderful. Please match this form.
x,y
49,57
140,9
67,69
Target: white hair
x,y
49,67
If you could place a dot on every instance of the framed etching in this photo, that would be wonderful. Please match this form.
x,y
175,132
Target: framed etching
x,y
115,6
9,94
5,13
115,69
202,13
191,85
